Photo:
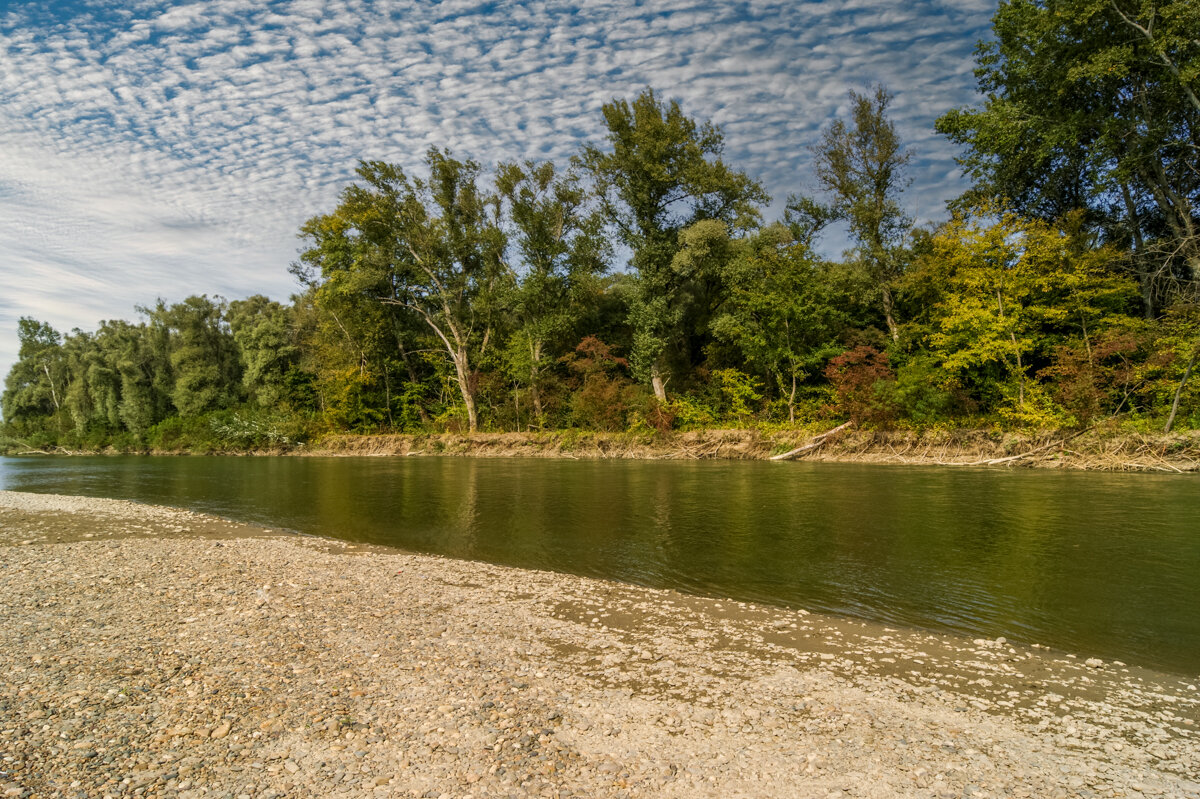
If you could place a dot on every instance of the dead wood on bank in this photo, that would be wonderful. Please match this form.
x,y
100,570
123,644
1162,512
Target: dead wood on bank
x,y
815,443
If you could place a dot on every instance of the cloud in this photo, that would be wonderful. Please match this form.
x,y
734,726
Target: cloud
x,y
166,148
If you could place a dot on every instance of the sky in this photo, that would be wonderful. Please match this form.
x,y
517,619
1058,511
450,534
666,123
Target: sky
x,y
155,149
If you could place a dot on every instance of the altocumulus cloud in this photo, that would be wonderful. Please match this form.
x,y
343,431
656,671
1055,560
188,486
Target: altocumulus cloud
x,y
155,148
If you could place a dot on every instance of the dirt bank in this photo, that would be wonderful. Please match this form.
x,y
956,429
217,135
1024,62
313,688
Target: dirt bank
x,y
1096,450
203,663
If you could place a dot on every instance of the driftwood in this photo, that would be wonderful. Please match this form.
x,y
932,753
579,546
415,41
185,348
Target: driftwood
x,y
815,443
1026,454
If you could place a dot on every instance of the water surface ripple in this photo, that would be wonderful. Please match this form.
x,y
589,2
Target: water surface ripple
x,y
1103,565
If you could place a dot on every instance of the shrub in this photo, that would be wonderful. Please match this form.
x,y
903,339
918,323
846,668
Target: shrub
x,y
854,375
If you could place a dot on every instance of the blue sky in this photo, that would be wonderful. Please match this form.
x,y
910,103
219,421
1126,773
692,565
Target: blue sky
x,y
158,149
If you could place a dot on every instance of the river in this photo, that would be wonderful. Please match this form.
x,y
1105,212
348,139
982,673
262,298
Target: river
x,y
1096,564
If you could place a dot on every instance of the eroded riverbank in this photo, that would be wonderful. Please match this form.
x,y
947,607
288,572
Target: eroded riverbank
x,y
1095,450
203,658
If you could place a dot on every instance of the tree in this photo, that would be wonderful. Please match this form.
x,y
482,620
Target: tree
x,y
1092,105
433,247
783,314
861,166
562,248
141,356
36,383
262,331
93,395
1010,290
662,172
203,355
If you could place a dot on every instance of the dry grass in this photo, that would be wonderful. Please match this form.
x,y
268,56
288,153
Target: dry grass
x,y
1094,450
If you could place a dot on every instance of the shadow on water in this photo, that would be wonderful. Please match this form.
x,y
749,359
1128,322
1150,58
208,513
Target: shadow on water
x,y
1101,564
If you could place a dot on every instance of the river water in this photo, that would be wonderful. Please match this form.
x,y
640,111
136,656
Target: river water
x,y
1103,565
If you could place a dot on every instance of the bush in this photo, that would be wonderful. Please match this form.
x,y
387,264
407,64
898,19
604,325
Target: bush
x,y
919,393
692,414
854,375
738,391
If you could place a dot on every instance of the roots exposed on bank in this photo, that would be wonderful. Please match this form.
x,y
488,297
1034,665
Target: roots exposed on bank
x,y
1093,449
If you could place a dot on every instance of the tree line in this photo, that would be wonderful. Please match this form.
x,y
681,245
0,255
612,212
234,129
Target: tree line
x,y
639,287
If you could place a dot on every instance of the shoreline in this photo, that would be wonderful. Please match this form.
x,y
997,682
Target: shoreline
x,y
152,649
1093,450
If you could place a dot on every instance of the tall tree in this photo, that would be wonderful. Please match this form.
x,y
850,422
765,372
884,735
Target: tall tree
x,y
431,246
661,173
36,383
560,241
861,166
262,331
203,355
1092,105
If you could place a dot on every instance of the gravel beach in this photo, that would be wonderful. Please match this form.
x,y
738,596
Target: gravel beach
x,y
153,652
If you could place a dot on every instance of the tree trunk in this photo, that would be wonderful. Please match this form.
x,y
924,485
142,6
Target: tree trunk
x,y
50,380
889,313
1179,392
463,377
534,395
792,402
657,383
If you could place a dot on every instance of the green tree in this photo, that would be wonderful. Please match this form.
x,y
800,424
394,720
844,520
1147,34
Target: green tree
x,y
1010,290
203,355
141,356
860,165
562,248
431,246
662,173
783,313
1092,105
35,385
93,394
263,333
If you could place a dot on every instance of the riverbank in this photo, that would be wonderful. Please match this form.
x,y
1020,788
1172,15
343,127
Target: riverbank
x,y
1097,450
161,653
1102,449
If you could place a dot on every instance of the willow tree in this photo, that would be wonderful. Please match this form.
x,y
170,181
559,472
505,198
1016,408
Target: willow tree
x,y
660,173
262,330
431,246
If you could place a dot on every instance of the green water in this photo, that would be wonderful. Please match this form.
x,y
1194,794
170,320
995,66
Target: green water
x,y
1096,564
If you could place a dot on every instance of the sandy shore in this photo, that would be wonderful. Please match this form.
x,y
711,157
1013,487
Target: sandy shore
x,y
158,653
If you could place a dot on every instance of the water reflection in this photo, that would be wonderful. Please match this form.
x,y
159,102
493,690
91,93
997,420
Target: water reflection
x,y
1106,564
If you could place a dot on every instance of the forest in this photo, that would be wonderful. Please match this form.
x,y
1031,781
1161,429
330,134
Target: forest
x,y
639,286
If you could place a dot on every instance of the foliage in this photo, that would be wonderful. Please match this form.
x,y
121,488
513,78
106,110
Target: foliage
x,y
459,298
1092,105
1011,289
855,376
661,175
784,313
860,166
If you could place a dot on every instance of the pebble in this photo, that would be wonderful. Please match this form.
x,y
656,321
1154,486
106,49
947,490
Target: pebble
x,y
144,660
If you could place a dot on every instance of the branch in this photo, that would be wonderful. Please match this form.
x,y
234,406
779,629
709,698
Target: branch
x,y
1167,62
813,444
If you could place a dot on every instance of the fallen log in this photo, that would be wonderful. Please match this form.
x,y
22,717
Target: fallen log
x,y
816,442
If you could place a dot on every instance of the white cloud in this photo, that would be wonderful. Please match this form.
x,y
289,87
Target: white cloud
x,y
165,148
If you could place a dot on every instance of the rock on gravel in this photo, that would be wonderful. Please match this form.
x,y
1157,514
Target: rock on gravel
x,y
148,652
